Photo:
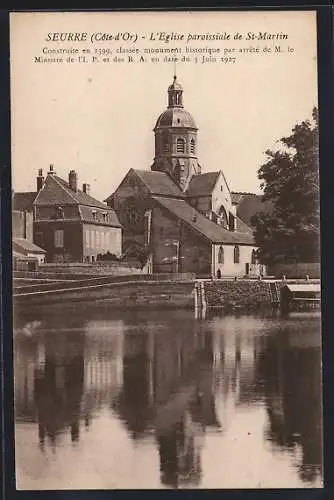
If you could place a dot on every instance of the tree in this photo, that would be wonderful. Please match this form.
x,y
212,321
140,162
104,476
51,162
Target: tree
x,y
290,183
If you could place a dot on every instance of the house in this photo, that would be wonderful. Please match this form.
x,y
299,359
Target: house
x,y
22,215
71,225
26,248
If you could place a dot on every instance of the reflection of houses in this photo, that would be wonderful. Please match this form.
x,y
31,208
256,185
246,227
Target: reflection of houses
x,y
59,387
27,356
62,378
49,384
103,377
184,219
236,356
292,375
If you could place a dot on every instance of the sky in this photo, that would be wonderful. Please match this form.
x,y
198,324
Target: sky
x,y
98,118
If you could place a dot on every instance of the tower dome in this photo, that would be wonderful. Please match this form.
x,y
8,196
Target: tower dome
x,y
176,117
176,139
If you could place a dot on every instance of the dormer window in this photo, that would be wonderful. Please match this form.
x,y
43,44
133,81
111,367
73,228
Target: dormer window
x,y
59,212
180,146
94,214
104,216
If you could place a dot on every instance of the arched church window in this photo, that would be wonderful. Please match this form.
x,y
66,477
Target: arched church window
x,y
236,254
221,255
192,146
180,145
223,217
253,256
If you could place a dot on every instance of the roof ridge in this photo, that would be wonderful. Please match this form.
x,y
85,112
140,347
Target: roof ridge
x,y
246,192
24,192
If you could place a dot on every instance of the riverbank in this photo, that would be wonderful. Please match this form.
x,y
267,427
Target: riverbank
x,y
123,294
149,292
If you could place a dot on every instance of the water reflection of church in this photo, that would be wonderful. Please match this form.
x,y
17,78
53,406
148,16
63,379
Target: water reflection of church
x,y
165,385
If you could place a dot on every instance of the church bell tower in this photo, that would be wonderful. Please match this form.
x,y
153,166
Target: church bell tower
x,y
176,140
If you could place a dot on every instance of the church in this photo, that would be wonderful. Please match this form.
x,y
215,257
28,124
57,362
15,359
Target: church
x,y
180,219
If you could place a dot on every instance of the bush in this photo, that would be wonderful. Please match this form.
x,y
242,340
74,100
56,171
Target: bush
x,y
107,256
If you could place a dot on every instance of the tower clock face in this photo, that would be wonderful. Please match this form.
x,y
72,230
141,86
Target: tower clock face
x,y
133,216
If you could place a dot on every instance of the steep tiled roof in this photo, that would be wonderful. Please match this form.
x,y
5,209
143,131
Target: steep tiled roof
x,y
81,197
249,204
236,197
242,227
21,245
203,184
199,223
159,183
23,201
57,191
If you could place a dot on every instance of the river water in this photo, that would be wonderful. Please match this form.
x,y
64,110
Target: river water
x,y
119,400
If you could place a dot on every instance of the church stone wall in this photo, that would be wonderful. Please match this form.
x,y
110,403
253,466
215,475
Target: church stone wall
x,y
130,187
177,249
165,240
195,254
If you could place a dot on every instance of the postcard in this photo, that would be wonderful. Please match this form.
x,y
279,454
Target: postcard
x,y
166,264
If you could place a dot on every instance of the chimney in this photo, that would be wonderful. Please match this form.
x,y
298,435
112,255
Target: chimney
x,y
40,180
73,180
51,171
86,188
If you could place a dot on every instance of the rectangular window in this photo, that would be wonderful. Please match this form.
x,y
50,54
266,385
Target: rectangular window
x,y
59,238
92,238
86,237
102,240
97,239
